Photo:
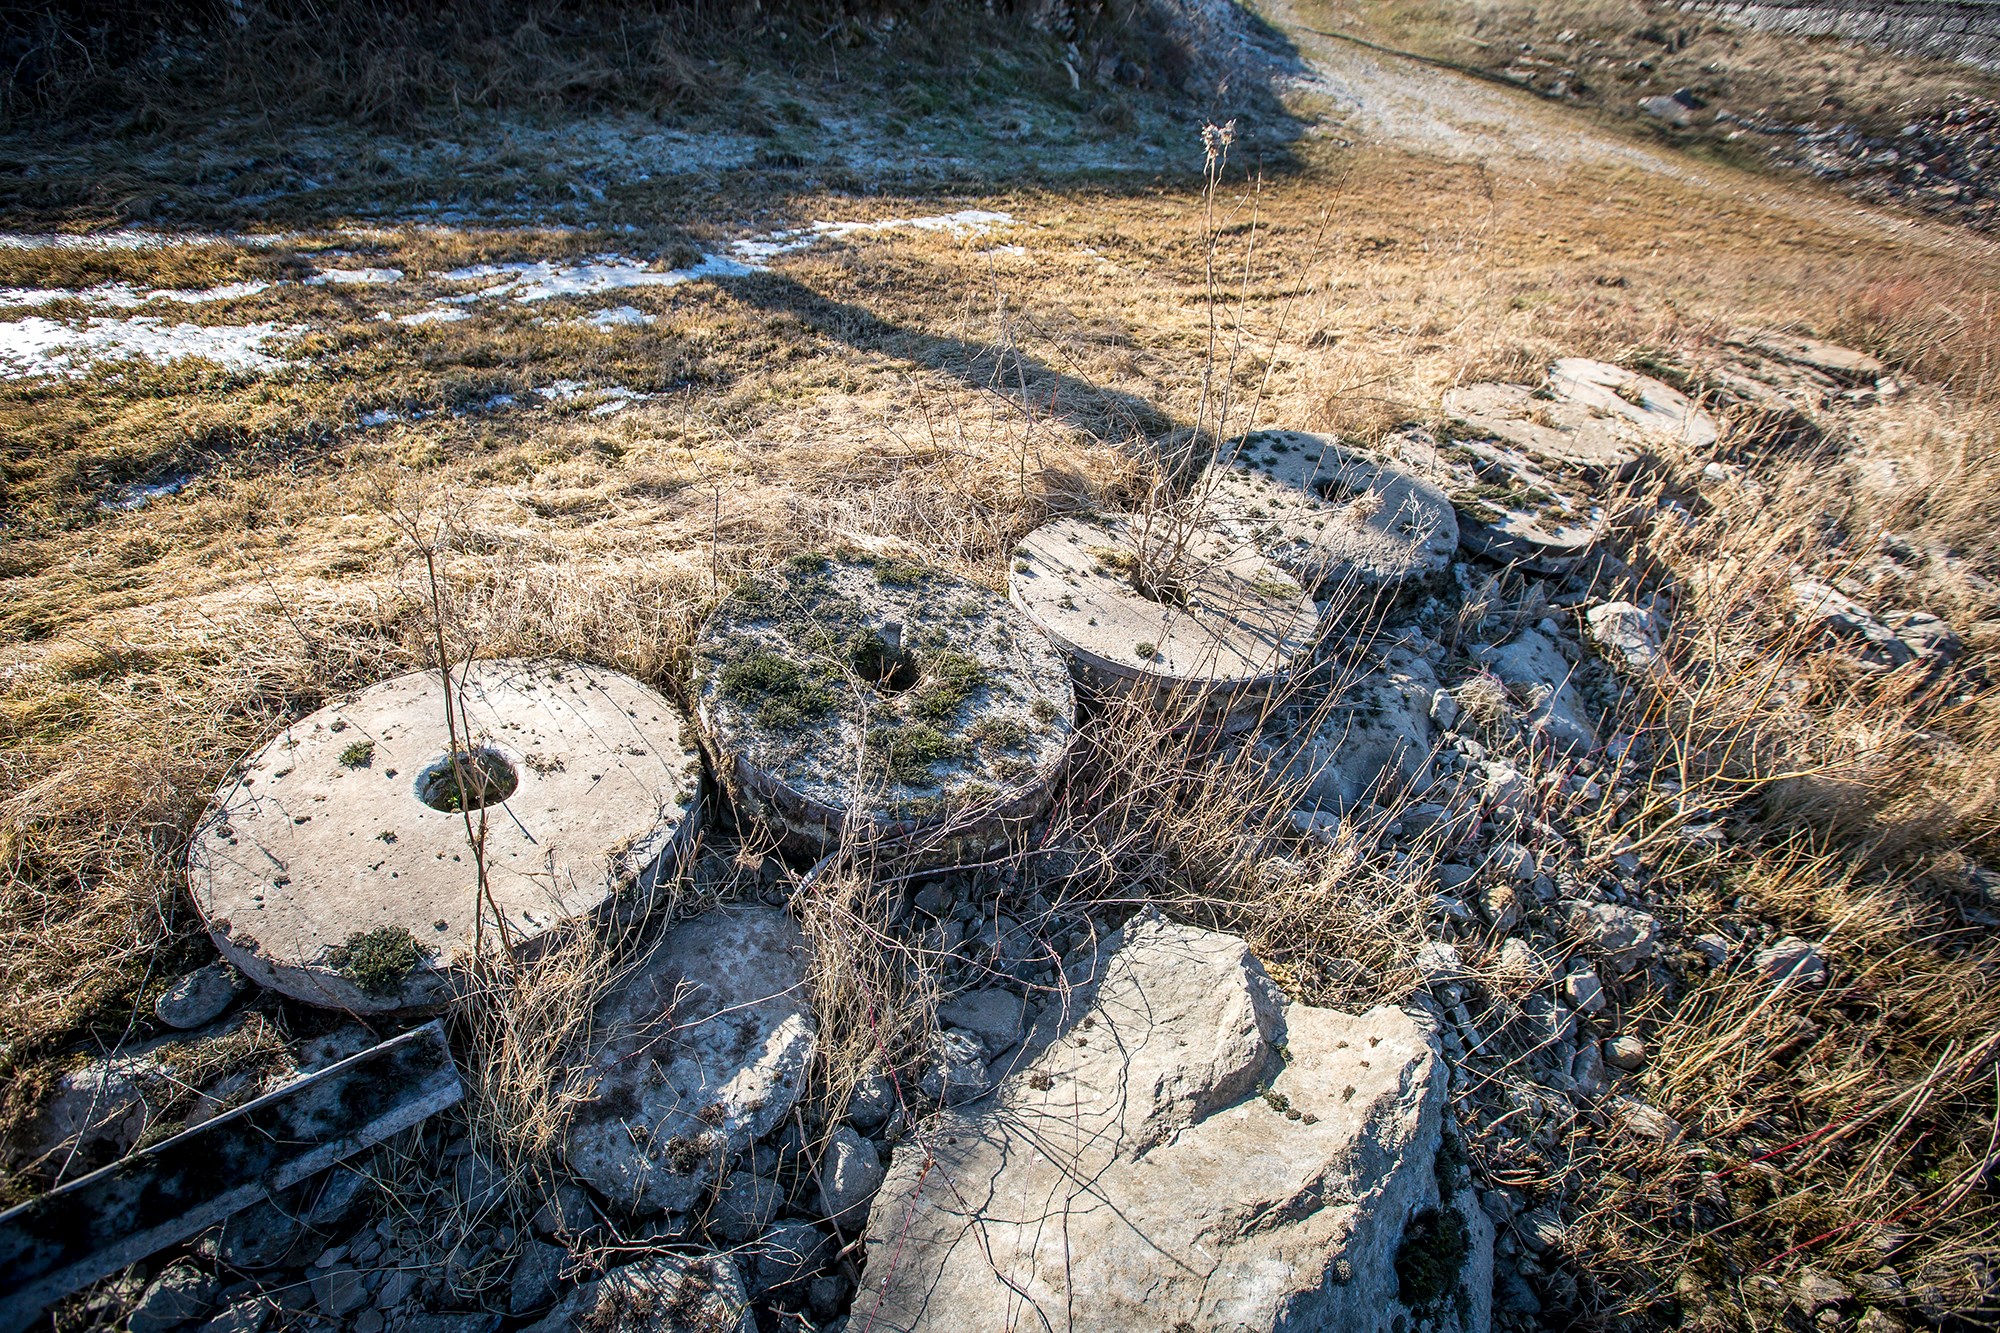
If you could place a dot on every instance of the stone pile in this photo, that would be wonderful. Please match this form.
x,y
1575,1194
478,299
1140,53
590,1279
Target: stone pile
x,y
1116,1123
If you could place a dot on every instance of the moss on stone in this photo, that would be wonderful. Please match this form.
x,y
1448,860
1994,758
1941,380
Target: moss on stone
x,y
911,751
782,695
1430,1262
378,961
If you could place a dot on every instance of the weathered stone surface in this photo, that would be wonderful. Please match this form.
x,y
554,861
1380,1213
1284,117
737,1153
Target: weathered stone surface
x,y
1842,363
1844,619
994,1016
330,832
702,1050
1358,531
1627,634
1375,741
1653,408
956,1072
1621,936
1626,1052
199,998
1554,431
1510,507
1555,714
1793,962
849,1176
1128,1175
663,1293
178,1296
882,694
744,1207
787,1254
535,1276
1167,610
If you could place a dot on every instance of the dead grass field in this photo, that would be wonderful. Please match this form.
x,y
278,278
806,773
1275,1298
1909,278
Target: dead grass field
x,y
946,392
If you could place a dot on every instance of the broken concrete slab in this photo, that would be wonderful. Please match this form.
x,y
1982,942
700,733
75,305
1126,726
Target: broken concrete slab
x,y
884,696
106,1221
1657,410
699,1052
1165,609
1510,508
336,866
1553,432
1357,531
1183,1149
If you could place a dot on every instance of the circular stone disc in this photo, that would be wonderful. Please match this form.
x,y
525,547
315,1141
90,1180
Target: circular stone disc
x,y
1548,429
1226,629
878,688
1335,518
324,835
1653,407
1509,509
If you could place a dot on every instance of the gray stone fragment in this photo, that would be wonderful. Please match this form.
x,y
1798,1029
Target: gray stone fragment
x,y
1927,637
1643,1120
180,1295
701,1051
1625,1052
1438,963
1375,741
1582,991
1587,1069
745,1206
257,1237
1793,962
1817,1291
1622,936
1846,621
1155,1161
848,1176
663,1293
566,1212
788,1253
339,1290
994,1016
1627,634
199,998
957,1069
1540,674
873,1102
536,1274
248,1313
1713,949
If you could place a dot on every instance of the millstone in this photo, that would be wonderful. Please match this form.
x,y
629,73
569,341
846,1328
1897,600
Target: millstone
x,y
1654,408
1345,524
336,867
1509,508
886,692
1175,613
1551,431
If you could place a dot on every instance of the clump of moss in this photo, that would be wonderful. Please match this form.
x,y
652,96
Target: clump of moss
x,y
949,678
909,753
1430,1263
378,961
900,573
358,755
998,733
783,696
1043,711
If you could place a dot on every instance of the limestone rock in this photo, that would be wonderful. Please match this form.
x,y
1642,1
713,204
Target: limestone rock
x,y
181,1294
1627,634
1537,670
1627,1053
664,1293
994,1016
1154,1161
849,1175
1793,962
199,998
788,1253
1655,409
701,1051
1846,621
957,1069
1376,739
1622,936
745,1206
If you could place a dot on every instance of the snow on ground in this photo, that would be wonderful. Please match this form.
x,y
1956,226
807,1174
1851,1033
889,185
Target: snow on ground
x,y
967,222
37,346
543,279
346,277
122,296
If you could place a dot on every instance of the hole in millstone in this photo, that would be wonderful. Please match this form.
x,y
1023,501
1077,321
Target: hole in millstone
x,y
882,662
480,778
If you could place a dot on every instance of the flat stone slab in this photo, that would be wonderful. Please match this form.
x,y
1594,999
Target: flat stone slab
x,y
1172,611
1654,408
1510,508
1851,368
886,692
1181,1149
335,867
105,1221
699,1052
1551,431
1345,524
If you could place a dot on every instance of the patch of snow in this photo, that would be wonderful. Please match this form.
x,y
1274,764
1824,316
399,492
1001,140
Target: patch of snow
x,y
622,317
122,296
130,239
138,496
348,277
381,416
540,280
966,222
37,346
616,397
437,314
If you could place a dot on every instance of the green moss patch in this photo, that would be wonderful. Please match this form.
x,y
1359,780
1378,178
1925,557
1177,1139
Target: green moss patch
x,y
378,961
